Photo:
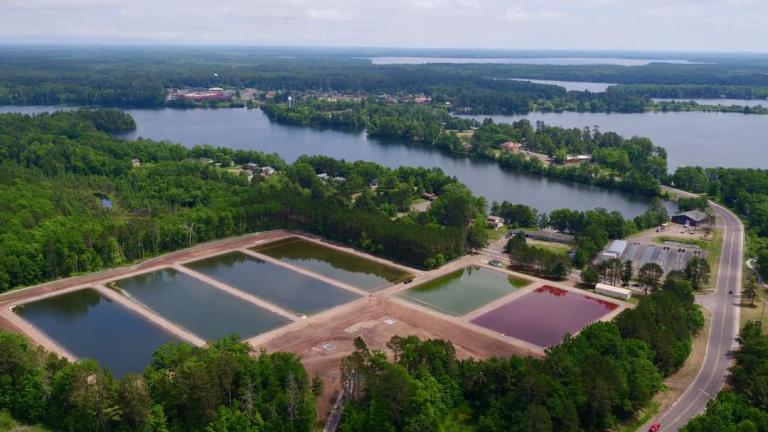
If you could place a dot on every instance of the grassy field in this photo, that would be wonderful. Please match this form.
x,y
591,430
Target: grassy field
x,y
558,248
758,312
704,244
714,250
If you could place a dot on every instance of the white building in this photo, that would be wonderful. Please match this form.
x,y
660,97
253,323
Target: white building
x,y
495,222
613,291
615,250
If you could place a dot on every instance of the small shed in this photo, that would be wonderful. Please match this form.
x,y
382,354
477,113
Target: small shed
x,y
613,291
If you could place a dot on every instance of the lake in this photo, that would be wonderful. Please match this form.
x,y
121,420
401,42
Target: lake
x,y
252,130
594,87
706,139
409,60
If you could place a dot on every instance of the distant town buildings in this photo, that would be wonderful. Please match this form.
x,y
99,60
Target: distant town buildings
x,y
216,94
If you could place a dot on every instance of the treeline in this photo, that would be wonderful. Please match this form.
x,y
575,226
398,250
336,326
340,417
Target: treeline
x,y
222,387
54,166
690,91
634,164
590,382
744,406
742,189
138,77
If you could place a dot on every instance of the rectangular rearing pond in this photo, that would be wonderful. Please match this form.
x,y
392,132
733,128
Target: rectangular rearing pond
x,y
464,290
205,310
545,315
90,325
278,285
333,263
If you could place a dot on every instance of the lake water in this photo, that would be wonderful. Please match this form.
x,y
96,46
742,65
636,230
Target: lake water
x,y
462,291
706,139
207,311
722,101
278,285
691,138
90,325
251,129
594,87
526,60
333,263
545,315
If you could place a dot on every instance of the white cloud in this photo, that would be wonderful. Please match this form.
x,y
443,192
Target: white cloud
x,y
566,24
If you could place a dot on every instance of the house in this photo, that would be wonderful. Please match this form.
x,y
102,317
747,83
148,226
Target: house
x,y
577,159
374,184
429,196
323,176
250,166
613,291
339,179
510,146
549,235
615,250
691,218
494,222
267,171
135,163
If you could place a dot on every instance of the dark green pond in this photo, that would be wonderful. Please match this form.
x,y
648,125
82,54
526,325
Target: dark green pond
x,y
333,263
280,286
205,310
90,325
462,291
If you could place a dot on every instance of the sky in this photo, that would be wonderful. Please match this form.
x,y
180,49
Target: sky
x,y
650,25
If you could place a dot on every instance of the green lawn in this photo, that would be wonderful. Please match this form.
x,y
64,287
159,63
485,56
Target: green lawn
x,y
518,282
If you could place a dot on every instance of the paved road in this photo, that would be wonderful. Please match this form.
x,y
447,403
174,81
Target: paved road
x,y
723,329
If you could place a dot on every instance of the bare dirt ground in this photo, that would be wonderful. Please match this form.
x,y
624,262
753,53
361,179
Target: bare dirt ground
x,y
367,320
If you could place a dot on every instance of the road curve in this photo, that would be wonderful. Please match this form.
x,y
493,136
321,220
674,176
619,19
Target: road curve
x,y
724,327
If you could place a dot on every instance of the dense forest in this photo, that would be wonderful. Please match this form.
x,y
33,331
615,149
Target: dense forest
x,y
55,167
743,406
591,382
222,387
634,164
138,77
743,190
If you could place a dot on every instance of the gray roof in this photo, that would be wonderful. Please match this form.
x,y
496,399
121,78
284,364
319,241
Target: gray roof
x,y
617,246
550,234
695,215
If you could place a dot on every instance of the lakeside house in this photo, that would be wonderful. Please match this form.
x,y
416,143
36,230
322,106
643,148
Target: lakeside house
x,y
267,171
511,146
429,196
135,163
577,159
